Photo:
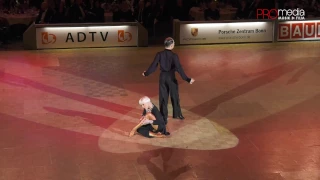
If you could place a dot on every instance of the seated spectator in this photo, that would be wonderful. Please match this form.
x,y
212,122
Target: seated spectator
x,y
123,13
316,9
162,13
4,31
212,13
60,13
180,11
242,11
90,5
98,12
76,13
151,7
141,13
45,14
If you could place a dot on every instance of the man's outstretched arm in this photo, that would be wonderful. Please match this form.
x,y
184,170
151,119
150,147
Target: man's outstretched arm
x,y
153,65
179,69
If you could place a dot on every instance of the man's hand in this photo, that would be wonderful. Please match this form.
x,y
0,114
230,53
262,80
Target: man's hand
x,y
192,81
143,73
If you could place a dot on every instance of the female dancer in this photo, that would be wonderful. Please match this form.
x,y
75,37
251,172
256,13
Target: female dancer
x,y
151,123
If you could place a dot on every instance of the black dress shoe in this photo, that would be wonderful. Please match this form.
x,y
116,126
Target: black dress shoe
x,y
179,117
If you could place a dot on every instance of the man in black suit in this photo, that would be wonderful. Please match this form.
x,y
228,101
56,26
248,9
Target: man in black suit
x,y
45,14
169,63
140,13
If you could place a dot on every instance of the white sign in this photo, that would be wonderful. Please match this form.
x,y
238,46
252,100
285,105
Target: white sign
x,y
299,30
235,32
95,36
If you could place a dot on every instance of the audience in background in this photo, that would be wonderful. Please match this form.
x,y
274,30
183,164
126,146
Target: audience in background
x,y
154,15
148,12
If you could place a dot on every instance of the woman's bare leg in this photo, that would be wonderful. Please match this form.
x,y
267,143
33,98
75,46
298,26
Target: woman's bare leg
x,y
157,135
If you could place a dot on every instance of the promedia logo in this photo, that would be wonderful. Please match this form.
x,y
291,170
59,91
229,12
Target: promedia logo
x,y
281,14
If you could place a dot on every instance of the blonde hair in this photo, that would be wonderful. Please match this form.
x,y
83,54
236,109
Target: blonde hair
x,y
144,100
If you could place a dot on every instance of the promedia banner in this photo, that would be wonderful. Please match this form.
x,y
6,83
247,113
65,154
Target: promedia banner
x,y
95,36
234,32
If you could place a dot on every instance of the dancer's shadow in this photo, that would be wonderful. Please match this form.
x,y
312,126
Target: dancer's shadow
x,y
303,70
95,119
98,120
264,78
166,173
25,82
309,63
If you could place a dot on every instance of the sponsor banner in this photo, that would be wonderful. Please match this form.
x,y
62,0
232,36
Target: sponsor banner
x,y
94,36
235,32
281,14
299,30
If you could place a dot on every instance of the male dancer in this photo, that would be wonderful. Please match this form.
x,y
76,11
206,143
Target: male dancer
x,y
152,123
169,63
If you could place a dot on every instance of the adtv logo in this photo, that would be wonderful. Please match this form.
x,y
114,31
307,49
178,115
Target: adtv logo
x,y
124,36
48,38
303,30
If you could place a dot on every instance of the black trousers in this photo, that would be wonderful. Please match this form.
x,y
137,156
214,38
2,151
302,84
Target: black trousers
x,y
168,84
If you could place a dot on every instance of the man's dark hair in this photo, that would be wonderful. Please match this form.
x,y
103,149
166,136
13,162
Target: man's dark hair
x,y
168,41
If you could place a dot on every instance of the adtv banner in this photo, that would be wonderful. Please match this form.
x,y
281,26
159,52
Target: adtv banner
x,y
95,36
299,30
233,32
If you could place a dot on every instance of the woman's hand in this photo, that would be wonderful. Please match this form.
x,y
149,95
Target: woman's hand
x,y
131,134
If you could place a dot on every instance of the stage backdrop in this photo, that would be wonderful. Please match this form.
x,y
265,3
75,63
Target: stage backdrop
x,y
91,36
229,32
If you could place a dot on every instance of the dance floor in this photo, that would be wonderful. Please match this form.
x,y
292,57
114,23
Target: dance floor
x,y
251,114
